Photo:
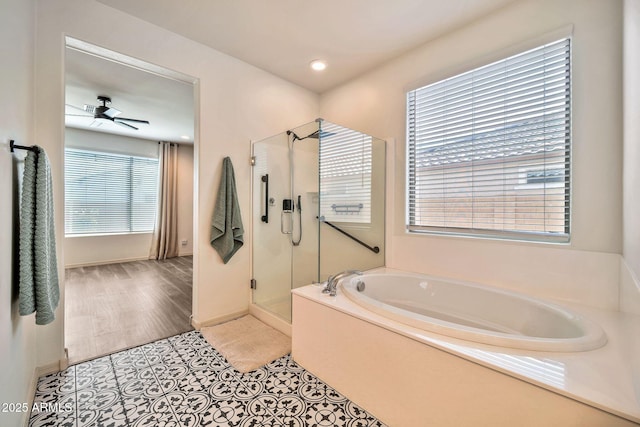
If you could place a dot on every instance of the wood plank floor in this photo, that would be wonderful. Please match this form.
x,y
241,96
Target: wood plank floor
x,y
117,306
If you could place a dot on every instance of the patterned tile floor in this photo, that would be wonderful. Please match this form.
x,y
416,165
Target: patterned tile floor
x,y
183,381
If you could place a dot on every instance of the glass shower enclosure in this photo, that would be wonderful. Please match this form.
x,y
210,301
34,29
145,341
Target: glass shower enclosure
x,y
317,209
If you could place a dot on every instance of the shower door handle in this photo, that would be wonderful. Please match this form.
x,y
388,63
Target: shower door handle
x,y
286,222
265,180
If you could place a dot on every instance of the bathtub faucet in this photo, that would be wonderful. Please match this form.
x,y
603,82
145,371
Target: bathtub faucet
x,y
332,281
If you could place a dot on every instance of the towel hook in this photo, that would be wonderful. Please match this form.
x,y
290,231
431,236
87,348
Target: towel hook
x,y
13,145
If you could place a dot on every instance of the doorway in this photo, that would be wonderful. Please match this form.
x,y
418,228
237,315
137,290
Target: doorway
x,y
118,109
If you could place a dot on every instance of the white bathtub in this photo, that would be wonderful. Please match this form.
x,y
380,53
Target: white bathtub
x,y
474,312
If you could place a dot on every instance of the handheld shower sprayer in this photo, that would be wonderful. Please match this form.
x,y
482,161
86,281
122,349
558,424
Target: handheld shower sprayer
x,y
294,137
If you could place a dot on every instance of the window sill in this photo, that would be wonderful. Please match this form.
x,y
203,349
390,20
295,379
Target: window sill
x,y
535,238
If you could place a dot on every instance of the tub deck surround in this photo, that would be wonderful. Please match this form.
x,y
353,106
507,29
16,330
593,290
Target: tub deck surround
x,y
607,378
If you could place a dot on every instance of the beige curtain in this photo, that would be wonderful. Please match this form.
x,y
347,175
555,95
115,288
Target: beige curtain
x,y
165,235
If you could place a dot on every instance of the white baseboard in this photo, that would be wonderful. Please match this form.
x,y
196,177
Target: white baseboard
x,y
199,324
111,261
115,261
30,397
259,313
64,362
51,368
39,371
270,319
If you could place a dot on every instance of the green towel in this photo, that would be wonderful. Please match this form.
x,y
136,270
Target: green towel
x,y
38,284
226,223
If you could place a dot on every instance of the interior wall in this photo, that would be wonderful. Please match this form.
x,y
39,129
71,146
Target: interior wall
x,y
17,333
587,269
630,268
109,143
97,249
236,103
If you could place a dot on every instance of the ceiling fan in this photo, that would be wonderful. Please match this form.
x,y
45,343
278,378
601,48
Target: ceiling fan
x,y
104,112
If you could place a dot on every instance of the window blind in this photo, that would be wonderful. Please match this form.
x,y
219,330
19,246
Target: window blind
x,y
345,175
489,149
109,193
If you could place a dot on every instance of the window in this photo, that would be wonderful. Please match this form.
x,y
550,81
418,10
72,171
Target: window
x,y
345,175
109,193
489,150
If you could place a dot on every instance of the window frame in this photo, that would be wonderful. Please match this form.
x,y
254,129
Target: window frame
x,y
130,193
519,235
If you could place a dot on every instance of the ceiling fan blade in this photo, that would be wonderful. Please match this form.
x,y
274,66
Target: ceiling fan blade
x,y
71,109
111,112
125,124
131,120
73,106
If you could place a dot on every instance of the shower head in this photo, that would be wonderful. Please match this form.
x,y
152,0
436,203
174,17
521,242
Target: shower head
x,y
314,135
295,137
320,134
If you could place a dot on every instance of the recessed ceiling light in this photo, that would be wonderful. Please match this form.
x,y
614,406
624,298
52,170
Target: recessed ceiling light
x,y
318,65
185,137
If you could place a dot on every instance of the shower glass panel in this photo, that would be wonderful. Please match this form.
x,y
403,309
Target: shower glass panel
x,y
285,207
352,200
304,189
318,208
